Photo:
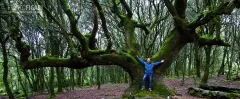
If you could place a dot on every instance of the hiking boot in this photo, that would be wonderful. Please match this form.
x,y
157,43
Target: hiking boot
x,y
142,88
149,89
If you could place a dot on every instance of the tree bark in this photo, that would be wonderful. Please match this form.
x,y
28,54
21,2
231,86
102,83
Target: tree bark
x,y
5,70
197,61
51,83
221,70
98,77
59,80
207,65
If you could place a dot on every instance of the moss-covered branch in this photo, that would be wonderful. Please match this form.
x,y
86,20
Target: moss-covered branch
x,y
46,61
127,62
104,24
95,28
216,41
206,16
125,5
171,8
148,27
143,27
73,26
179,22
181,7
116,11
157,20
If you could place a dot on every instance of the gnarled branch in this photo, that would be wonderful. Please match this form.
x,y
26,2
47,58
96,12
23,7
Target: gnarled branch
x,y
216,41
206,16
73,26
125,5
181,7
156,21
179,22
104,25
116,11
143,27
171,8
95,28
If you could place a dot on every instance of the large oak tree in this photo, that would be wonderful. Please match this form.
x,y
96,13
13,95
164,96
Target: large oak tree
x,y
184,32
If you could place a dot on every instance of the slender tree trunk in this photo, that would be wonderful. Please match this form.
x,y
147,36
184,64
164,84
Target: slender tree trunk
x,y
207,65
98,77
190,61
197,61
126,77
72,78
59,80
91,78
79,78
5,71
51,85
41,80
184,67
20,78
63,77
176,69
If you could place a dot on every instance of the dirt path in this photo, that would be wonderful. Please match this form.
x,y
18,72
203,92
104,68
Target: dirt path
x,y
107,91
110,91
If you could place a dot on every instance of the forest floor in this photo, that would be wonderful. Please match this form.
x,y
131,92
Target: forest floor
x,y
182,88
110,91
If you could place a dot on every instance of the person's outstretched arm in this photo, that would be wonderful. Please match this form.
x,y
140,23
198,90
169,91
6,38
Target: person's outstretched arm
x,y
140,60
158,63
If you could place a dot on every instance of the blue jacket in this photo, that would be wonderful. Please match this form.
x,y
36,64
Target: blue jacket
x,y
149,66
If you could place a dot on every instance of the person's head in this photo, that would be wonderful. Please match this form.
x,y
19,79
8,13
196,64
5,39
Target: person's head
x,y
148,60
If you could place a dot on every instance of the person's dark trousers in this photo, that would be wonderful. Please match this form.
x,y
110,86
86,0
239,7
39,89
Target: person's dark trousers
x,y
144,79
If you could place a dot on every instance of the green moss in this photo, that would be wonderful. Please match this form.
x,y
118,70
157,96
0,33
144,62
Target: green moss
x,y
87,36
26,46
164,90
158,92
11,28
191,92
96,51
207,36
21,95
167,46
51,96
198,94
46,61
233,95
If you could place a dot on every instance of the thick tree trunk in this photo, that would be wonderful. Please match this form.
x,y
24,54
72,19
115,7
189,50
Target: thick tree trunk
x,y
169,51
